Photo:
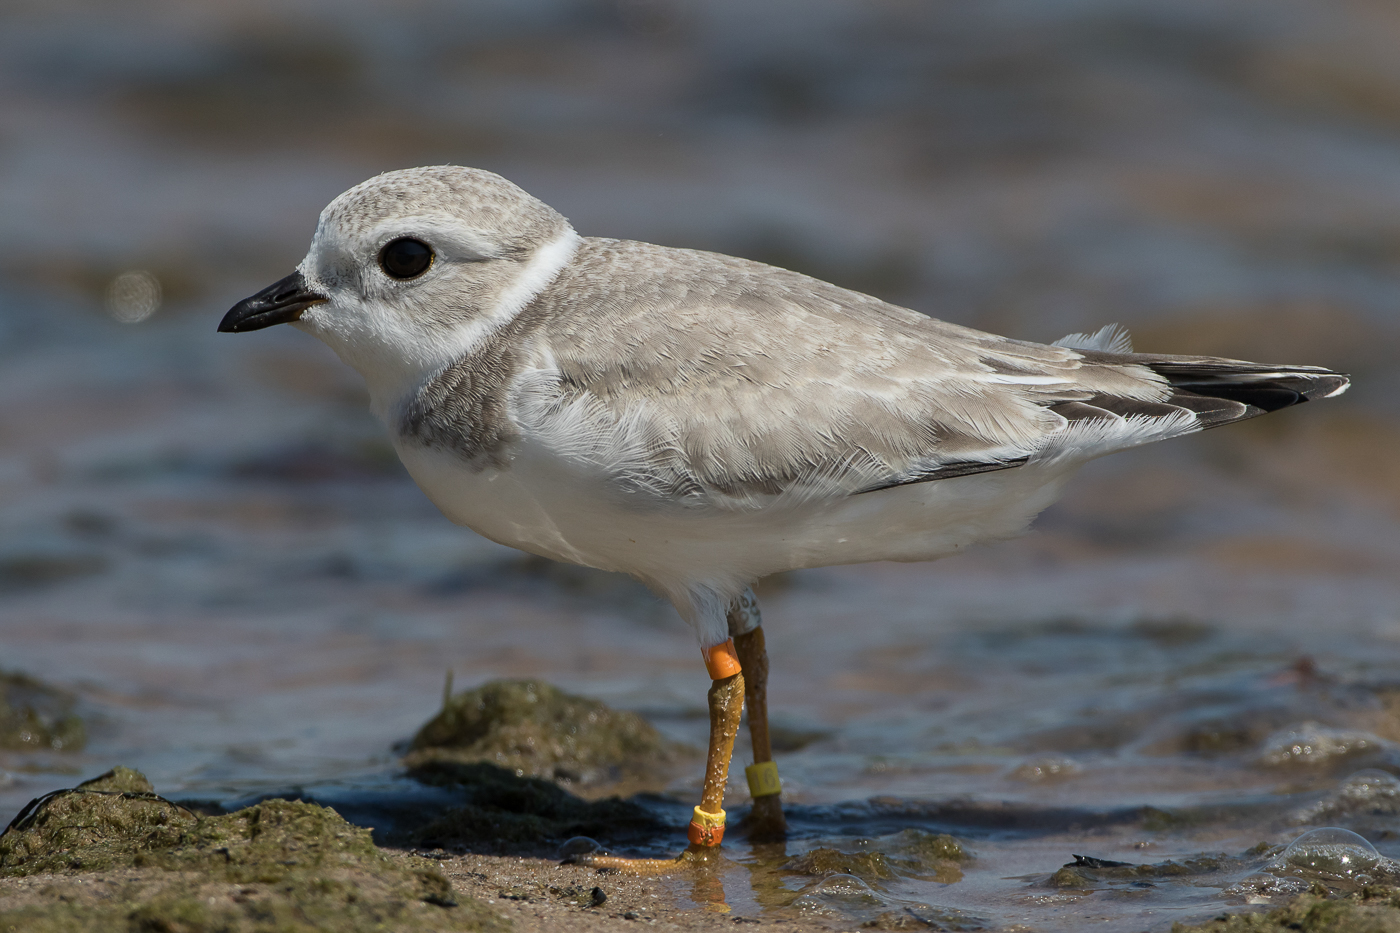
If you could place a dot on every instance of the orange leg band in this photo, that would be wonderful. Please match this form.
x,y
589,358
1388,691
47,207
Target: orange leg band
x,y
721,660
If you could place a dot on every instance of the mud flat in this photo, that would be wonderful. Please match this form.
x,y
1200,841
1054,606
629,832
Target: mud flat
x,y
111,854
477,833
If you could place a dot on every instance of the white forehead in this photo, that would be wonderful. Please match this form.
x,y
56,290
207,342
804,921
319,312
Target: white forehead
x,y
473,210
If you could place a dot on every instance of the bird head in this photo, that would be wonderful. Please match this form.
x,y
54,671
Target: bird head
x,y
409,270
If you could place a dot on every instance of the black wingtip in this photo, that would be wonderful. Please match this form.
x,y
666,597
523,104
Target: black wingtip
x,y
1259,388
1264,397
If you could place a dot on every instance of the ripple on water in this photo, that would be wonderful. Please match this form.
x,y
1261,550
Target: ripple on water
x,y
1045,769
838,893
849,899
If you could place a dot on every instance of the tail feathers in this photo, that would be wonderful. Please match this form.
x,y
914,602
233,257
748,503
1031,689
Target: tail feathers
x,y
1221,391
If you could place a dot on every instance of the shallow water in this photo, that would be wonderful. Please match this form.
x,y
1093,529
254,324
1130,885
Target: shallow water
x,y
206,538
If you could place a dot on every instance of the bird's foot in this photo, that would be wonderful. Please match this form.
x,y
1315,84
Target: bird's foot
x,y
693,857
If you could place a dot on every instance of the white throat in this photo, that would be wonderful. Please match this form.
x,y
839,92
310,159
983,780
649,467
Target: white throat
x,y
399,357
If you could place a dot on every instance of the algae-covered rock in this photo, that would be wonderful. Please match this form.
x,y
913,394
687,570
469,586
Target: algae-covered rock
x,y
35,716
870,867
121,780
503,812
537,730
1069,878
1372,910
1088,872
278,865
913,917
911,853
924,849
90,828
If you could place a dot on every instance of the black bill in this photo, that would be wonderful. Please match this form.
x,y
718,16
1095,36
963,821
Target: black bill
x,y
280,302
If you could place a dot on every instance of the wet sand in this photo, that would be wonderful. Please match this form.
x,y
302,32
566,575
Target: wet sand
x,y
530,894
542,895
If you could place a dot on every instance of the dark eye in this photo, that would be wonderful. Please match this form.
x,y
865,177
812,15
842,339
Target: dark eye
x,y
405,258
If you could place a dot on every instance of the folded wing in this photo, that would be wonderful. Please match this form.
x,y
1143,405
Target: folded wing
x,y
722,382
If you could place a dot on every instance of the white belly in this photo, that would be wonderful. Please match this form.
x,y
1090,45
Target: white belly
x,y
551,507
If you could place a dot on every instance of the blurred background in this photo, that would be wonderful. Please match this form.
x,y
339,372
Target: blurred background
x,y
206,540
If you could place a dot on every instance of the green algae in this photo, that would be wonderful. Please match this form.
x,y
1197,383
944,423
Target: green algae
x,y
537,730
1371,910
924,849
109,822
1088,872
35,716
119,780
897,920
503,812
922,917
870,867
112,855
1069,878
911,853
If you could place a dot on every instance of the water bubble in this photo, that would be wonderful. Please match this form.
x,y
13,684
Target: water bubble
x,y
1045,768
1371,786
133,296
1331,853
580,845
1312,744
1366,793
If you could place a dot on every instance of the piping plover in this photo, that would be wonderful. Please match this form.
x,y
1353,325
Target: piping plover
x,y
699,421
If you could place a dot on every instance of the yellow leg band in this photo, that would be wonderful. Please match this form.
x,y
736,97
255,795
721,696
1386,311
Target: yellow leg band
x,y
708,820
706,829
763,779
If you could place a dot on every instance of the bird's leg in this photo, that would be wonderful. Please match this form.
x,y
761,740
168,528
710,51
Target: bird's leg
x,y
706,828
726,707
765,822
